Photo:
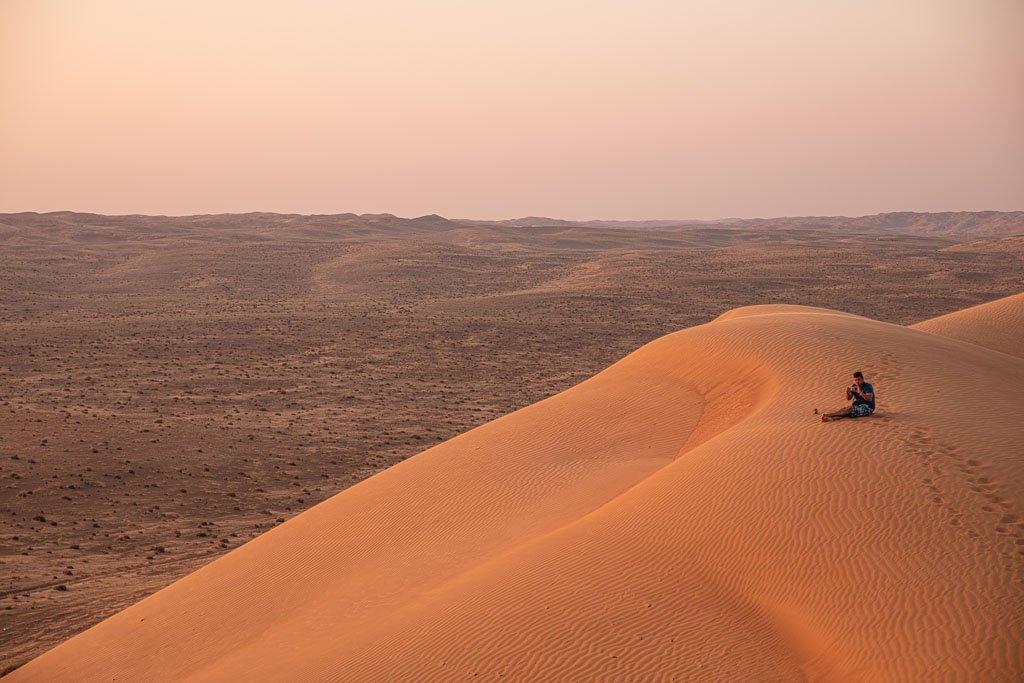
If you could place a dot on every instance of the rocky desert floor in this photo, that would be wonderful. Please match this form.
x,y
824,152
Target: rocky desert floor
x,y
173,387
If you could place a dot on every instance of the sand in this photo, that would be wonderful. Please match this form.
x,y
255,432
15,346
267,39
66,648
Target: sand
x,y
172,387
681,515
997,325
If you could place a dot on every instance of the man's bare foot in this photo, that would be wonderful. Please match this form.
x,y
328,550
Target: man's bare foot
x,y
827,418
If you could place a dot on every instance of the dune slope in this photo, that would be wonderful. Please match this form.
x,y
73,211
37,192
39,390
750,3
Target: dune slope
x,y
681,515
995,325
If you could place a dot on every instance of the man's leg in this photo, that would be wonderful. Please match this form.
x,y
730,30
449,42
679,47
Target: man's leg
x,y
837,415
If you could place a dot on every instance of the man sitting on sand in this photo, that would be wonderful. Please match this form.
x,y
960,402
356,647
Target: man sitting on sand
x,y
863,395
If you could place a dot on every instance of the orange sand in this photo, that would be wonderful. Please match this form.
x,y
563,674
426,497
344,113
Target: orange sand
x,y
996,325
682,515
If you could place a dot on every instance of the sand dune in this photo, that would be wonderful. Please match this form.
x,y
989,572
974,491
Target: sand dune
x,y
1013,245
996,325
681,515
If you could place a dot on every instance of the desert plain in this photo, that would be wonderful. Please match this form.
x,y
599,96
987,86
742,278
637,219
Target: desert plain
x,y
620,472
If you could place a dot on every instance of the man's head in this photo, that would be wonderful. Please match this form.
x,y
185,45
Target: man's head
x,y
858,377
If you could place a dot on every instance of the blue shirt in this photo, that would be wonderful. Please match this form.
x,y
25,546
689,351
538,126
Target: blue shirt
x,y
865,389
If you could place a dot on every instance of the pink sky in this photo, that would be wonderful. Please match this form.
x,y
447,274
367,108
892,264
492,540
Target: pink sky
x,y
477,109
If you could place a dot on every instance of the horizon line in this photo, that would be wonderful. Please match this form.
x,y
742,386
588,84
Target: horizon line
x,y
516,218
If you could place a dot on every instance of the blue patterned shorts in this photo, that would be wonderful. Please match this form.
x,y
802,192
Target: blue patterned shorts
x,y
860,410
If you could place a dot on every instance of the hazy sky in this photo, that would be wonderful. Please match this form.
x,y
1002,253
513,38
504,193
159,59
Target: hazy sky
x,y
490,109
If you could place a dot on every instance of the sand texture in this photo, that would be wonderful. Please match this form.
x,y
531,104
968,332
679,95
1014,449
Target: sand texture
x,y
682,515
996,325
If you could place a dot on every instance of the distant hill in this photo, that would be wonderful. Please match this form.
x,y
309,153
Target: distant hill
x,y
960,224
543,222
1013,244
956,226
277,225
